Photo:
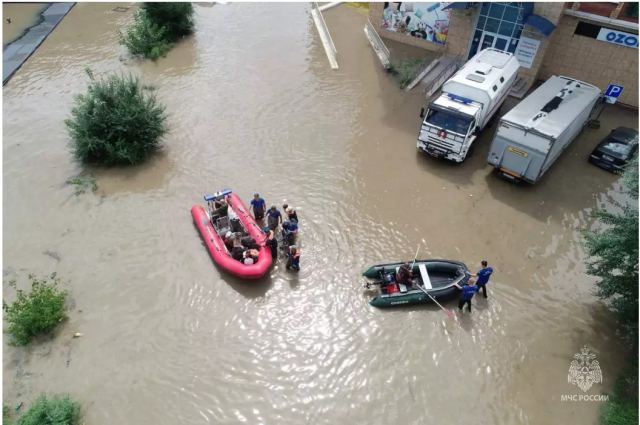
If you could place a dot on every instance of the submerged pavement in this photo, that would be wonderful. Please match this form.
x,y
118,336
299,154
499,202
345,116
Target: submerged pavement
x,y
19,51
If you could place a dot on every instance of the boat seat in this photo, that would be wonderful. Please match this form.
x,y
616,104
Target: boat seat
x,y
425,277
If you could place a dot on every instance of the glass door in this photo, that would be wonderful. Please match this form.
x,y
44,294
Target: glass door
x,y
494,40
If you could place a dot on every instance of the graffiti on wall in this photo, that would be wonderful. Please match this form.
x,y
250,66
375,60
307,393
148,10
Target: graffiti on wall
x,y
422,20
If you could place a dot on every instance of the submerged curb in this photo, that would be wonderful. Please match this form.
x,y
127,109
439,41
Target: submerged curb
x,y
16,53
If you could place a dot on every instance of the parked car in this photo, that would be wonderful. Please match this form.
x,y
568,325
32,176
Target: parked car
x,y
616,149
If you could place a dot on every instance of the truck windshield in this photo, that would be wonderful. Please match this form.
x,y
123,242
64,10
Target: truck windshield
x,y
450,122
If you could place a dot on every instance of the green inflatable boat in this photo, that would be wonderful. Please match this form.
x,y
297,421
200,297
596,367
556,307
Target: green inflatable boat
x,y
438,278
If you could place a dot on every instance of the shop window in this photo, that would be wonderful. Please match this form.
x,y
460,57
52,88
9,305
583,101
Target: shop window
x,y
506,28
497,10
492,25
511,14
588,30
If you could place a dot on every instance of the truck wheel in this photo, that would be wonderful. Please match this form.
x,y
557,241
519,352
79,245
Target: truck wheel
x,y
472,148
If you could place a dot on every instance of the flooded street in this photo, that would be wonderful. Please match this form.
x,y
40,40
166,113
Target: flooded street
x,y
18,17
253,105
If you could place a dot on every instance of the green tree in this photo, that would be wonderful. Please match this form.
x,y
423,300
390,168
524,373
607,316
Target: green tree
x,y
117,122
613,252
36,312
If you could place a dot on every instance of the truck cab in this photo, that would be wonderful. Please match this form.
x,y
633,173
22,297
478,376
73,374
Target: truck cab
x,y
466,104
449,122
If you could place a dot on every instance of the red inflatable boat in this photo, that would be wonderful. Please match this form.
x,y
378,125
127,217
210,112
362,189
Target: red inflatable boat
x,y
237,219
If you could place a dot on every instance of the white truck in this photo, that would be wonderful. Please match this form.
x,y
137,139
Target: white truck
x,y
468,101
532,135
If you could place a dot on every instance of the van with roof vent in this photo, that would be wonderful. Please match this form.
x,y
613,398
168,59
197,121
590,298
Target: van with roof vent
x,y
532,135
467,102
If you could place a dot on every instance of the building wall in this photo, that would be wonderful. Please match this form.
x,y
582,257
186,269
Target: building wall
x,y
596,62
461,28
553,12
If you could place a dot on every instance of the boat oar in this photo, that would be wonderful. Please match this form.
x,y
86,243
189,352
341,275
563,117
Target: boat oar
x,y
449,313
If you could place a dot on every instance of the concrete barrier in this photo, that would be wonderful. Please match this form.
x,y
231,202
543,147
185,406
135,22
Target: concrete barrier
x,y
378,45
325,36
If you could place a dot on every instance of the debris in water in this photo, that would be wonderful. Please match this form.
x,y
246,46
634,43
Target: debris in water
x,y
77,335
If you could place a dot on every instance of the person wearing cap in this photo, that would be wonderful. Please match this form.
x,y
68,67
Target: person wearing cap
x,y
292,215
274,217
483,276
258,205
293,258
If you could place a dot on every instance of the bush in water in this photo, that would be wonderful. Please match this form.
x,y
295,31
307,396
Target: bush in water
x,y
156,27
175,18
145,38
36,312
52,411
117,122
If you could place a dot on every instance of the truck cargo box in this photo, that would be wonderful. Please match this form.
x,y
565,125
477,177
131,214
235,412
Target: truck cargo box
x,y
533,134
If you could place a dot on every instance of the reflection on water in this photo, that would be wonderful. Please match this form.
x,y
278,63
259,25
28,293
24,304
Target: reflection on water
x,y
255,107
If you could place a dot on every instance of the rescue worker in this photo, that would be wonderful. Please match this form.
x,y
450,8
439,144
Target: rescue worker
x,y
258,205
483,276
468,291
289,232
274,217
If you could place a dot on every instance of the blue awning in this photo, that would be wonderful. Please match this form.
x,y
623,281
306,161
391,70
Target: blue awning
x,y
540,23
457,5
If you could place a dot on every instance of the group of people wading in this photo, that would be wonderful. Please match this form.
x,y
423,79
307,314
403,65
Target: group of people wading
x,y
289,229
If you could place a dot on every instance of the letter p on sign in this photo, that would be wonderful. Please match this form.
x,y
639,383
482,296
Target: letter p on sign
x,y
612,93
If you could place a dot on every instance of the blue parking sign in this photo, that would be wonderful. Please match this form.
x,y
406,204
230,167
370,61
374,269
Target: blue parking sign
x,y
613,90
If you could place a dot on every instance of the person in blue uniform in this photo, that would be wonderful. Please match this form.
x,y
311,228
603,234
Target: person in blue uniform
x,y
258,205
274,218
289,232
483,276
466,294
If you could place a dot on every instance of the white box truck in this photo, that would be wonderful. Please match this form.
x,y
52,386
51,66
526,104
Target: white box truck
x,y
466,104
531,136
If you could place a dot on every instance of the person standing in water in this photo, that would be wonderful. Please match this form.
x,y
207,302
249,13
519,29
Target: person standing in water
x,y
258,205
466,294
293,260
483,276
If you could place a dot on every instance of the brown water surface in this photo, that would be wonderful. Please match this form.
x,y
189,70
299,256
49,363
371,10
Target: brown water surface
x,y
253,105
18,17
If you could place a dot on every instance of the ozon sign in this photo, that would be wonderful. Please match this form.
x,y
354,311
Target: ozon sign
x,y
618,37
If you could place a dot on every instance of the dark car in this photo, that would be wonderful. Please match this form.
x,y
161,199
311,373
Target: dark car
x,y
616,149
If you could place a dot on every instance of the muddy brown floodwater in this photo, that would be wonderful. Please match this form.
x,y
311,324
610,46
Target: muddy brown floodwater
x,y
254,106
18,17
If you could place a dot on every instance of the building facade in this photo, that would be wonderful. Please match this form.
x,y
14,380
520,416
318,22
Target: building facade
x,y
594,42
